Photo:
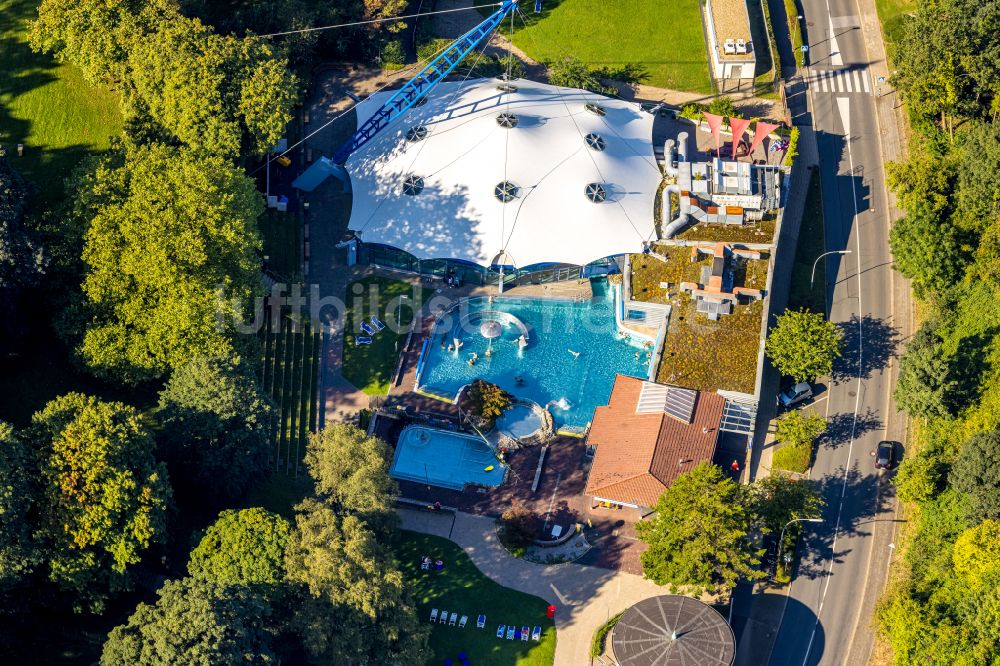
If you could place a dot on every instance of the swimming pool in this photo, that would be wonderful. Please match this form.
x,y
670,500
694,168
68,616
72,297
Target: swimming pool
x,y
519,421
444,458
567,362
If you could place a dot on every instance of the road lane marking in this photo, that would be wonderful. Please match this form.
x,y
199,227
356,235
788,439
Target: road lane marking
x,y
835,58
844,109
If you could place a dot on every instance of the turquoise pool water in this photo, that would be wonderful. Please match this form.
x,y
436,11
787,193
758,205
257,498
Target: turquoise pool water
x,y
444,458
519,421
569,363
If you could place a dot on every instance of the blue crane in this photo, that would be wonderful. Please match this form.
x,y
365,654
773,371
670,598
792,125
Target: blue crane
x,y
402,100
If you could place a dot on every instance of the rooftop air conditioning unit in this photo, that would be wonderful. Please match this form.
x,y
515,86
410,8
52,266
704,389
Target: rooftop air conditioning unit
x,y
729,46
741,46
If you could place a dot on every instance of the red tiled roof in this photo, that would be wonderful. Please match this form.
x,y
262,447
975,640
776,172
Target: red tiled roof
x,y
639,455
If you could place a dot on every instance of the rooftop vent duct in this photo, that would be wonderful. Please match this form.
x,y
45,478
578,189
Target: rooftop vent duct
x,y
416,133
505,191
595,109
507,120
595,141
596,193
413,185
507,87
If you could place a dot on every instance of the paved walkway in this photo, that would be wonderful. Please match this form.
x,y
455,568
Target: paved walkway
x,y
586,596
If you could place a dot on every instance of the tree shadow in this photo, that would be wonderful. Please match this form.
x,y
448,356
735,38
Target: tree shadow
x,y
868,344
842,427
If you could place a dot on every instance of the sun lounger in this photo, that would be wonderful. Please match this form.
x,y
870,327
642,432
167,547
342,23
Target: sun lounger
x,y
481,622
510,632
362,340
376,323
434,614
453,619
500,631
461,623
524,633
444,617
536,634
367,329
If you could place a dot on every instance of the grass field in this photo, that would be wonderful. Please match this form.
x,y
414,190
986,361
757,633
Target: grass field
x,y
48,107
664,37
891,13
289,374
462,589
370,367
811,245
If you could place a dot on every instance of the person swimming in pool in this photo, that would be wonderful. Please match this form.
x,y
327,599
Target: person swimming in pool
x,y
575,354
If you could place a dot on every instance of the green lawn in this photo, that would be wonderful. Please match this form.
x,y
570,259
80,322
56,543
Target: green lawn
x,y
48,107
664,37
811,246
891,13
463,589
370,367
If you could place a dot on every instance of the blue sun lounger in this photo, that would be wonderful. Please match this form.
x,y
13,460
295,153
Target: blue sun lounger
x,y
367,329
376,323
500,631
510,632
362,340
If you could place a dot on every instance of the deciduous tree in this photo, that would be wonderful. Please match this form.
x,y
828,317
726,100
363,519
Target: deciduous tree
x,y
698,534
919,477
925,386
976,472
244,547
20,552
169,230
803,345
351,470
194,621
104,496
798,427
216,424
777,499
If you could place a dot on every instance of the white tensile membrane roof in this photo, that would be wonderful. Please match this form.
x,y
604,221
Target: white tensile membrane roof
x,y
454,176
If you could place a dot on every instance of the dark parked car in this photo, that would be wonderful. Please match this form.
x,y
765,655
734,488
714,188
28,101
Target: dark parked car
x,y
885,455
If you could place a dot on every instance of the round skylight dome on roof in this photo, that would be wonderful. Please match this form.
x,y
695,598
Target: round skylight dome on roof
x,y
595,141
413,185
507,120
416,133
596,192
595,109
506,191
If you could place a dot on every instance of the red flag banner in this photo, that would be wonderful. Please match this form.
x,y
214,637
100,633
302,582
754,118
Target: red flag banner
x,y
760,131
739,126
714,124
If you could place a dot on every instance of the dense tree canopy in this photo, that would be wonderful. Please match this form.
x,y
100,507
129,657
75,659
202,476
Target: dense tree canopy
x,y
20,553
244,547
803,345
356,607
216,424
776,499
168,230
697,535
194,621
799,427
926,384
977,473
351,470
104,497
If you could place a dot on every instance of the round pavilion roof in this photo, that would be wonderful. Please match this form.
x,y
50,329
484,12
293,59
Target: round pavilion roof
x,y
531,171
672,630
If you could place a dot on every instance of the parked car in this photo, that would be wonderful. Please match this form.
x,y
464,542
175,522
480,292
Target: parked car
x,y
885,455
795,394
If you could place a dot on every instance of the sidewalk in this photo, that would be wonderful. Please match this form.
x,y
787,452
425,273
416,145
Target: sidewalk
x,y
586,596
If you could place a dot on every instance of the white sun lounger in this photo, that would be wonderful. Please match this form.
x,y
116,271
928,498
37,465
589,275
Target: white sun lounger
x,y
510,632
536,634
524,633
444,617
434,614
453,619
461,623
481,622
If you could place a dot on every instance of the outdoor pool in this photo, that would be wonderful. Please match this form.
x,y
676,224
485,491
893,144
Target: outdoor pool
x,y
566,362
444,458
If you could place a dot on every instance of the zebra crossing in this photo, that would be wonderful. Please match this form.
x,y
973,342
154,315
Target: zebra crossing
x,y
841,81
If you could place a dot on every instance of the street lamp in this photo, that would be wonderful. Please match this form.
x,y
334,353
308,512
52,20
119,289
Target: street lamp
x,y
812,276
781,539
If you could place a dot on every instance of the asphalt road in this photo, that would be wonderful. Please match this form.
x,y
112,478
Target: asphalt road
x,y
844,559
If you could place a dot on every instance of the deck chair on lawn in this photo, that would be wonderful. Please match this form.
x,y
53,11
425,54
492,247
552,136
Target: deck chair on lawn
x,y
367,329
500,631
524,633
362,340
481,622
461,623
510,632
444,617
434,614
453,619
376,323
536,634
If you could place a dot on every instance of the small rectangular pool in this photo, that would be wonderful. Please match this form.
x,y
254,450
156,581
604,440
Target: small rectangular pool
x,y
444,458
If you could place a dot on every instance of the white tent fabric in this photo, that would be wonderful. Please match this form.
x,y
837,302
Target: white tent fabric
x,y
466,154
